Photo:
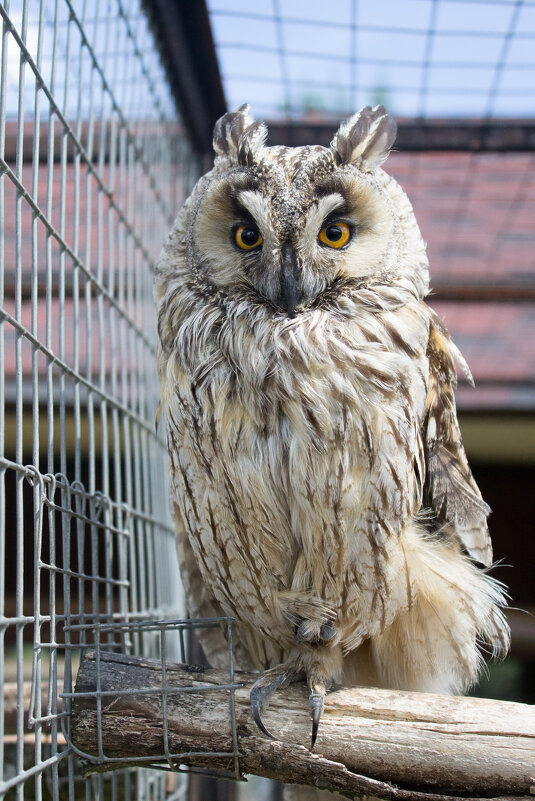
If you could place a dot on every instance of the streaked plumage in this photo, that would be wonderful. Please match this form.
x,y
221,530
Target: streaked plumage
x,y
320,486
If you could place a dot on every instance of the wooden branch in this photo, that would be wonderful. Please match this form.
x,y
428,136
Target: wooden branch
x,y
393,745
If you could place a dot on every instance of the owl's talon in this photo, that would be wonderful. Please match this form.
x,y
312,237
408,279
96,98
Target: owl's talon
x,y
315,704
327,632
263,689
255,709
259,698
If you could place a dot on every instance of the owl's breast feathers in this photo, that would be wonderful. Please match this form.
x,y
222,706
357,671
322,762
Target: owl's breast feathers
x,y
298,450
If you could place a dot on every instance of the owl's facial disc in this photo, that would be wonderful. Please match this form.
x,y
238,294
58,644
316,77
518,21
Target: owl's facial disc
x,y
290,236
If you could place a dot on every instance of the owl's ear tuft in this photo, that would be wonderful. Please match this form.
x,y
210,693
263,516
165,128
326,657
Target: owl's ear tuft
x,y
365,139
251,142
228,131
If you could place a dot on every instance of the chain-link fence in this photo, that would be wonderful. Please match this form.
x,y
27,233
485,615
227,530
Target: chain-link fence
x,y
94,163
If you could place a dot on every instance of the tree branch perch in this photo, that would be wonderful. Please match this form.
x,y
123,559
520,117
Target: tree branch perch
x,y
393,745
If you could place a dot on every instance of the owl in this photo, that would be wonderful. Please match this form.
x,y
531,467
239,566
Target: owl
x,y
319,483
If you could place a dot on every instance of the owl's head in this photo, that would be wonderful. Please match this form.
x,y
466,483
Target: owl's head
x,y
284,225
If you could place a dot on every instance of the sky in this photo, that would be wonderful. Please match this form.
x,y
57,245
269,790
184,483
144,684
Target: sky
x,y
431,58
421,58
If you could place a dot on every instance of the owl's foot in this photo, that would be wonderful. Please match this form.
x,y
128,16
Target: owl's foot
x,y
264,687
314,632
276,679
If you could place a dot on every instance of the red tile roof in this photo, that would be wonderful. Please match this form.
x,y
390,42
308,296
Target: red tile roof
x,y
477,215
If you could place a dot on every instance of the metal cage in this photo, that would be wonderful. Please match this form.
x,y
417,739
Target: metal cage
x,y
167,639
94,163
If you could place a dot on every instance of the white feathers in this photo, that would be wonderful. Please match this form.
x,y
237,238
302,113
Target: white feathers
x,y
259,208
431,431
433,645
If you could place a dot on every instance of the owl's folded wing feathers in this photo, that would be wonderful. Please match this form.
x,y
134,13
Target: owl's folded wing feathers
x,y
201,605
450,490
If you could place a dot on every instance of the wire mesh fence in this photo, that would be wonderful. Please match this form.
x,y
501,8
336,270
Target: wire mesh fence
x,y
94,162
168,639
438,58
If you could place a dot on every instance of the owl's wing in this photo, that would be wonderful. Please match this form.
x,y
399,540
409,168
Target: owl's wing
x,y
201,604
449,489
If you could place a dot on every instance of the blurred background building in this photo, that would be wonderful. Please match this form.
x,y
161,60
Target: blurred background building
x,y
106,114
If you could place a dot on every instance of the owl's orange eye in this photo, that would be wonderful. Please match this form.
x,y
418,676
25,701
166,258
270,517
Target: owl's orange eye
x,y
247,238
335,235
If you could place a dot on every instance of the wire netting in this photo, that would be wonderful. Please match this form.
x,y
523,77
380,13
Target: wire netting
x,y
103,690
94,163
426,58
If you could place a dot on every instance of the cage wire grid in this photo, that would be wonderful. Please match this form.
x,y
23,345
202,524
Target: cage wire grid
x,y
162,632
311,59
94,163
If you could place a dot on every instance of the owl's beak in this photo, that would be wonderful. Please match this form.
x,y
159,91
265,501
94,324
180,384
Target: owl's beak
x,y
290,295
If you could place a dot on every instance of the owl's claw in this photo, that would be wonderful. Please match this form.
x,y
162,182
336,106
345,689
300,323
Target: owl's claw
x,y
315,704
263,689
259,700
278,678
